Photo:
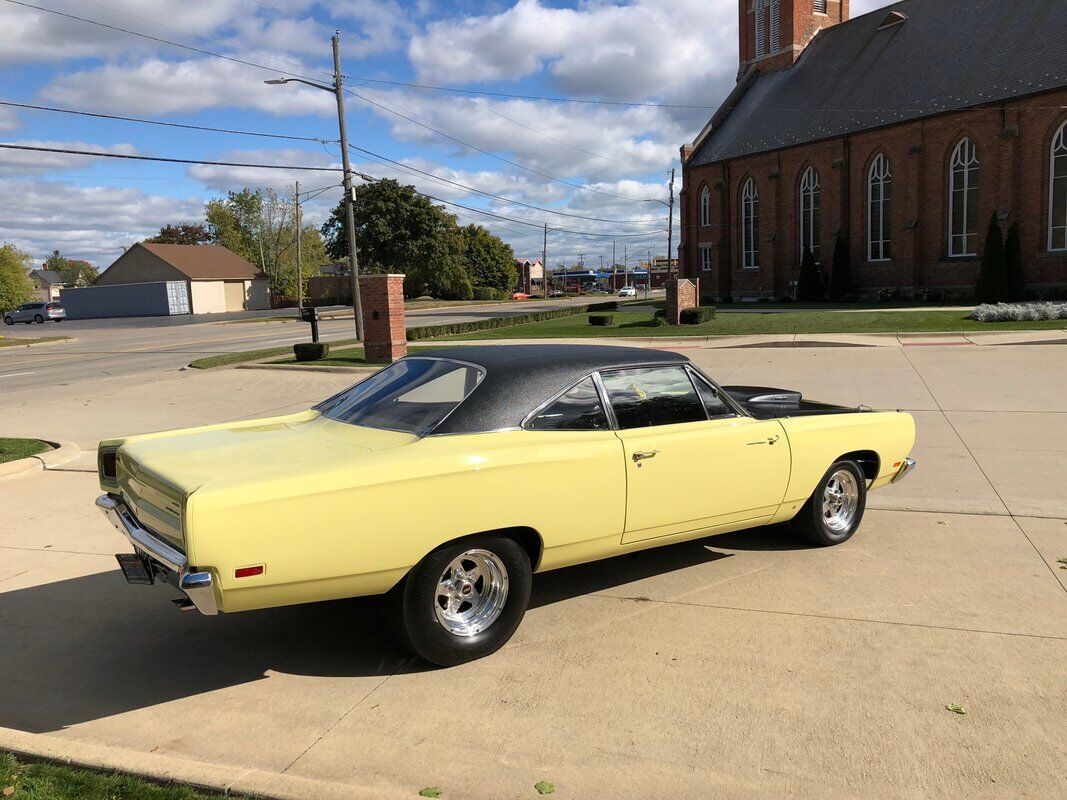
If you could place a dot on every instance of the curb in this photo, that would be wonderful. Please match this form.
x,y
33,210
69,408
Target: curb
x,y
292,367
216,778
61,453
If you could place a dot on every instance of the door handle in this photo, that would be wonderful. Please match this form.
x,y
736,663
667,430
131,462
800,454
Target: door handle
x,y
641,456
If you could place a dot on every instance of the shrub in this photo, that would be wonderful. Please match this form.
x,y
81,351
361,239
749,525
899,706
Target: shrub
x,y
601,320
491,293
810,286
454,328
661,313
1014,273
659,320
841,284
311,351
696,316
1019,312
992,283
610,305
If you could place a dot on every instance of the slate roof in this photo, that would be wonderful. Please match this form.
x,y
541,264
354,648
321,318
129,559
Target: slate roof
x,y
49,276
204,262
948,55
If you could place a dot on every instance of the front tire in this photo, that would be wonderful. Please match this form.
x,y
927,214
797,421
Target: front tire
x,y
9,321
463,601
835,509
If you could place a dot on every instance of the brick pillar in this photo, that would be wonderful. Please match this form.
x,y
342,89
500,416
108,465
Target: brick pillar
x,y
384,332
682,293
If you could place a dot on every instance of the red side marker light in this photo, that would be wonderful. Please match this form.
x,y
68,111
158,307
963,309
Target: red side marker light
x,y
248,572
897,464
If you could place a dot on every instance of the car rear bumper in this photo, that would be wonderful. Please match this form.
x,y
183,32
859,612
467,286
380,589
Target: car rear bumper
x,y
905,469
197,585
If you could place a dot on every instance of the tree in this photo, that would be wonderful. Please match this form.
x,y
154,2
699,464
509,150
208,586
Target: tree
x,y
1014,272
182,233
992,282
398,231
841,284
489,260
810,285
234,222
447,278
15,285
73,271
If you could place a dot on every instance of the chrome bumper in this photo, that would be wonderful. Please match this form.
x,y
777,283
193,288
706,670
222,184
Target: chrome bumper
x,y
905,468
196,585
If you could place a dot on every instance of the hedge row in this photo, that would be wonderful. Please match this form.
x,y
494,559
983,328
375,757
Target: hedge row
x,y
451,329
491,293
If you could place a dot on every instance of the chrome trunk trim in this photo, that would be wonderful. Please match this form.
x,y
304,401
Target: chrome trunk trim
x,y
197,586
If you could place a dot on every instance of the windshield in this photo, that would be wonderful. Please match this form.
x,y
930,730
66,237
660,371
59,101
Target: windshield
x,y
413,395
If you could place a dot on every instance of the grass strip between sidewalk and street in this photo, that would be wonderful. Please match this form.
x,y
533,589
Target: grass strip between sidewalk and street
x,y
227,359
636,323
14,449
20,780
15,341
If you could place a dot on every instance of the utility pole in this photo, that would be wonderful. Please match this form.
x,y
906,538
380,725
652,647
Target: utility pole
x,y
670,229
614,264
350,213
544,263
299,263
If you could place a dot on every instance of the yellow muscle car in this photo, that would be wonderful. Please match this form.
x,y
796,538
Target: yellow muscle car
x,y
421,483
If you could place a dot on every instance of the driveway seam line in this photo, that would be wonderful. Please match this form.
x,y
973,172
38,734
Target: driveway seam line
x,y
341,718
829,617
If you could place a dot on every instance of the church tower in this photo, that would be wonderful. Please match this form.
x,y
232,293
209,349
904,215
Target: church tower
x,y
775,32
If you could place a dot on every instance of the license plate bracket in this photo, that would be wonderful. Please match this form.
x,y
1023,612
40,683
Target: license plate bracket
x,y
134,568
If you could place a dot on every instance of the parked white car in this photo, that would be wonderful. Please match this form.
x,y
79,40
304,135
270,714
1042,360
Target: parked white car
x,y
628,291
35,312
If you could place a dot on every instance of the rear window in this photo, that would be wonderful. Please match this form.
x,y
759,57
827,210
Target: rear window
x,y
413,395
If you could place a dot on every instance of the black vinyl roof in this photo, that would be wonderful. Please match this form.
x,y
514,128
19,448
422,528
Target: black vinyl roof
x,y
946,56
521,377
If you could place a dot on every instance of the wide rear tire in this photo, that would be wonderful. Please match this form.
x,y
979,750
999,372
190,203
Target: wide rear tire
x,y
835,509
464,600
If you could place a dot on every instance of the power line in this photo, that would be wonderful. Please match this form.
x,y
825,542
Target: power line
x,y
487,152
187,126
485,93
438,178
95,154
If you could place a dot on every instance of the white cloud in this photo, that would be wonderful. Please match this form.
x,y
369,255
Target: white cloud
x,y
9,120
155,87
92,223
24,161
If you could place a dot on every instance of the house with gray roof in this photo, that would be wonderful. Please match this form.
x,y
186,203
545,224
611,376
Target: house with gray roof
x,y
900,133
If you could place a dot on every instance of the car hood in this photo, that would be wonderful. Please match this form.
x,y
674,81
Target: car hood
x,y
187,460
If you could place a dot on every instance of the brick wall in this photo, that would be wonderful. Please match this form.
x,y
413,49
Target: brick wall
x,y
1013,141
384,332
682,293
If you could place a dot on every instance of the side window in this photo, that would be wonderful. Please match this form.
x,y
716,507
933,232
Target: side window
x,y
579,409
715,405
651,396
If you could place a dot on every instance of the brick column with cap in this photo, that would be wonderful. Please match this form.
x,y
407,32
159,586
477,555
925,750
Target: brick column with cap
x,y
384,332
682,293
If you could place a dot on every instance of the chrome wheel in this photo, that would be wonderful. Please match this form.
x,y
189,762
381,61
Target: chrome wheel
x,y
840,501
471,592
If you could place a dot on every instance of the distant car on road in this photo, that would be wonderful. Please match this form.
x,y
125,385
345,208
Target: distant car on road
x,y
628,291
520,296
35,312
557,293
598,291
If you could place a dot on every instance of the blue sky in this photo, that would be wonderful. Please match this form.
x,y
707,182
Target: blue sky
x,y
674,52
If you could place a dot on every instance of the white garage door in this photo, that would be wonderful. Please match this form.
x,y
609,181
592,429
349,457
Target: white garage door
x,y
235,295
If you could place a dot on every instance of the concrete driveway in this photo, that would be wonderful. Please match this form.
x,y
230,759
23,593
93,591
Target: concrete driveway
x,y
743,665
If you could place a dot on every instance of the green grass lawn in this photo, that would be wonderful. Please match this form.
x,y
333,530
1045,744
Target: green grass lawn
x,y
8,341
36,781
14,449
226,359
347,357
633,323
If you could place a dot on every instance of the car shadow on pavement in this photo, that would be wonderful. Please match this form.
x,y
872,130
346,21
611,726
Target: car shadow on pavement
x,y
90,647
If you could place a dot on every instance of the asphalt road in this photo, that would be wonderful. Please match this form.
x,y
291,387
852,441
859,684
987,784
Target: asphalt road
x,y
133,346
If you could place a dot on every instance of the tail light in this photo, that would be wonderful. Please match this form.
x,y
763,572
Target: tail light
x,y
108,468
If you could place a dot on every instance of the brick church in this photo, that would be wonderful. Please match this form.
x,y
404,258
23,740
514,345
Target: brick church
x,y
903,130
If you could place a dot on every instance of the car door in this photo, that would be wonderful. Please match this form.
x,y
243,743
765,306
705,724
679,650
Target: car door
x,y
692,462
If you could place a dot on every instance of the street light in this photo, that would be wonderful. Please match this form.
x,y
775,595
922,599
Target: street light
x,y
337,90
